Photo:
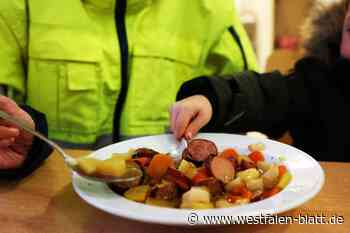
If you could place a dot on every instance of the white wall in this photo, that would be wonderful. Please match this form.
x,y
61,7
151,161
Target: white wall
x,y
262,12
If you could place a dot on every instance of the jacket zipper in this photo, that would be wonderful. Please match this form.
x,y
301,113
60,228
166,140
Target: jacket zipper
x,y
239,43
120,13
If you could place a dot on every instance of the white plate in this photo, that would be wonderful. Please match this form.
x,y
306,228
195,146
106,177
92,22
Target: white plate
x,y
307,181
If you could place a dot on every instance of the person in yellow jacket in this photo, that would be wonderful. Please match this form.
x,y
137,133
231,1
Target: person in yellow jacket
x,y
105,70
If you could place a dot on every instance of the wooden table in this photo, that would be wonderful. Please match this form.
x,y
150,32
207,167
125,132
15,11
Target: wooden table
x,y
46,203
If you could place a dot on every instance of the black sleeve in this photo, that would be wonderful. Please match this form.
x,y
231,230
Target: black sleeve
x,y
247,101
38,152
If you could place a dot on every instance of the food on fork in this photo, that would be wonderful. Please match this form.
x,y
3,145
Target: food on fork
x,y
115,166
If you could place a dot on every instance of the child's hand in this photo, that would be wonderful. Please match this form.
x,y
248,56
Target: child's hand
x,y
14,143
189,115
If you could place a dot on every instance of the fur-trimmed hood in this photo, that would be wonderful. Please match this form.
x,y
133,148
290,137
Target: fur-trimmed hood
x,y
323,29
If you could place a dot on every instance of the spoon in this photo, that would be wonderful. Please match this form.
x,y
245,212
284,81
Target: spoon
x,y
132,172
177,149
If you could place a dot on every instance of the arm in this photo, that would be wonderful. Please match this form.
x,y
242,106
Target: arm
x,y
243,102
250,101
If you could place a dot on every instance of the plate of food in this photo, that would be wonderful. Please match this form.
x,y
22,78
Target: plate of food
x,y
216,175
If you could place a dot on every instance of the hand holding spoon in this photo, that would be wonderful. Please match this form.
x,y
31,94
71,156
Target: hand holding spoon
x,y
132,173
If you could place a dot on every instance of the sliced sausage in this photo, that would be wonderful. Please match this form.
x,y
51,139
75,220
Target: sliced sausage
x,y
143,162
166,191
178,178
144,152
207,164
201,149
222,169
153,182
232,159
186,156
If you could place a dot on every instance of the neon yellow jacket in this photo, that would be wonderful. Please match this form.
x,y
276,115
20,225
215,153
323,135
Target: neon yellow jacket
x,y
72,60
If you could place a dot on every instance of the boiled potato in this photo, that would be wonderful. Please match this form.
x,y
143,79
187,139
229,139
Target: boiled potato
x,y
197,205
256,147
187,168
123,156
270,178
263,166
196,194
196,198
249,174
223,203
255,184
111,167
161,202
235,184
87,165
138,193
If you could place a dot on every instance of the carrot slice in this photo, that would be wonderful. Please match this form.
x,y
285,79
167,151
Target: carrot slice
x,y
229,153
247,194
159,166
200,176
282,169
256,156
242,191
270,193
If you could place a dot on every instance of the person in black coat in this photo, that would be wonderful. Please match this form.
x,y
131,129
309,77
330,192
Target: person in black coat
x,y
312,101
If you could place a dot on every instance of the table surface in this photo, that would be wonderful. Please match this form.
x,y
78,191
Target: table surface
x,y
46,202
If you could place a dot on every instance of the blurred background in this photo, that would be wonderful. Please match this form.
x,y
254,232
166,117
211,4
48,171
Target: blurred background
x,y
274,27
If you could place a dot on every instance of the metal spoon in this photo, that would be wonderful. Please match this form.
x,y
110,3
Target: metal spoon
x,y
177,149
132,173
